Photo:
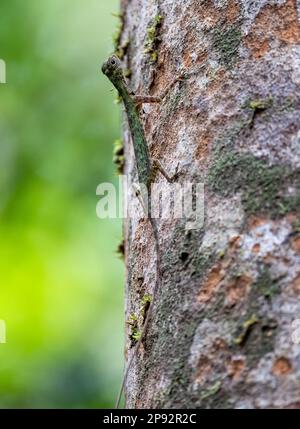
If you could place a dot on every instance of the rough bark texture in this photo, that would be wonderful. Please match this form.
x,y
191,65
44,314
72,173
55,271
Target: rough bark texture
x,y
220,335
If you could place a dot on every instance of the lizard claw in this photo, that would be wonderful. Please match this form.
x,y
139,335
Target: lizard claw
x,y
183,76
177,172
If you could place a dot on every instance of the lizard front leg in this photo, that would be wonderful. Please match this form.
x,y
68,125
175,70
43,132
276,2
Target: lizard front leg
x,y
140,99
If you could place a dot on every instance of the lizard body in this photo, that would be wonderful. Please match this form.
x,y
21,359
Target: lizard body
x,y
146,172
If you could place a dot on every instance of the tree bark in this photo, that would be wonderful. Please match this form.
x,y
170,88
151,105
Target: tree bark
x,y
221,333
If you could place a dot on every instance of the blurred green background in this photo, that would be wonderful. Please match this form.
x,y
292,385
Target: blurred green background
x,y
61,292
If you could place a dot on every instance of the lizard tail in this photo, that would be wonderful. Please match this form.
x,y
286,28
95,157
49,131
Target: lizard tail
x,y
149,312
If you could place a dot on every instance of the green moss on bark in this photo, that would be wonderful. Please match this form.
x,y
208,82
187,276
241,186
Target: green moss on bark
x,y
263,188
226,42
153,38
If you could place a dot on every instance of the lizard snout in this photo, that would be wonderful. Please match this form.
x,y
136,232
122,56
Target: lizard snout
x,y
104,68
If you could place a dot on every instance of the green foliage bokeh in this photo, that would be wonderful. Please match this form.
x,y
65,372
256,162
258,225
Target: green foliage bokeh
x,y
60,279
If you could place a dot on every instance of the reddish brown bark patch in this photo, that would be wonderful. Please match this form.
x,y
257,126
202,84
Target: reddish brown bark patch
x,y
296,284
203,146
232,11
268,258
236,367
238,289
296,244
213,15
256,221
216,84
207,363
188,60
282,366
204,368
235,242
212,284
274,22
219,344
256,248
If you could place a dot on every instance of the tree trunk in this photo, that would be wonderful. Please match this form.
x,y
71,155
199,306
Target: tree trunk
x,y
223,333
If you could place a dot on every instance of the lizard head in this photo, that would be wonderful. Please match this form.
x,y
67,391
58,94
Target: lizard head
x,y
112,68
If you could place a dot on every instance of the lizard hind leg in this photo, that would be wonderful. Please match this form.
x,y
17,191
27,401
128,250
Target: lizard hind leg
x,y
143,199
157,167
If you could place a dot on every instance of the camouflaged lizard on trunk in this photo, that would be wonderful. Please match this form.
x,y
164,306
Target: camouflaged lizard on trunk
x,y
146,168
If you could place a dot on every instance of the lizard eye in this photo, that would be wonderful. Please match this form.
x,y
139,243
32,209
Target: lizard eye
x,y
113,62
